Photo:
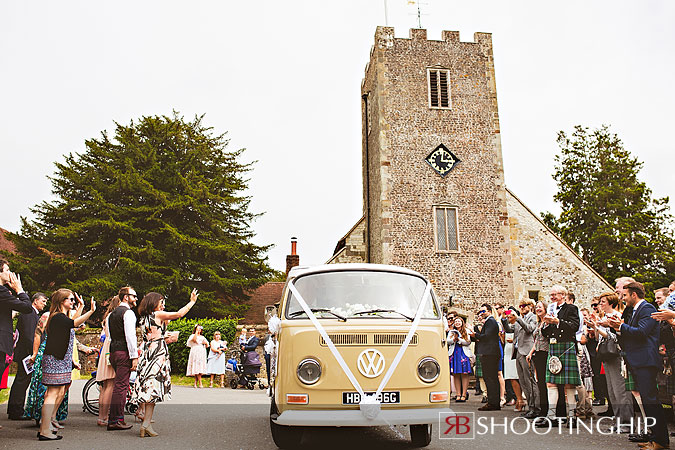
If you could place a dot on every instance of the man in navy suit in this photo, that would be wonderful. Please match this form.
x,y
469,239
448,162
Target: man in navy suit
x,y
487,347
25,324
639,339
12,298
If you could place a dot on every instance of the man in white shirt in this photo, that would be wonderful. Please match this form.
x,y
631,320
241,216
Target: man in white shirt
x,y
123,355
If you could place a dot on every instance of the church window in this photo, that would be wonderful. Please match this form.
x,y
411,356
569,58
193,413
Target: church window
x,y
439,88
445,218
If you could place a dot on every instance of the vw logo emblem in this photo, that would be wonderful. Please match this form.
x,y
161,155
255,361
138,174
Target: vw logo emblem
x,y
370,363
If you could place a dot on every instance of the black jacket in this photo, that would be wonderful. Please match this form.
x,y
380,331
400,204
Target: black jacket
x,y
566,330
251,344
26,324
487,339
9,302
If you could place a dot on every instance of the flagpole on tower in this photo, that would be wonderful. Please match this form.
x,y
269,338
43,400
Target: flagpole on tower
x,y
386,16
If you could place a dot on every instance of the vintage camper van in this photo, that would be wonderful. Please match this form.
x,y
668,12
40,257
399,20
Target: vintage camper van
x,y
358,345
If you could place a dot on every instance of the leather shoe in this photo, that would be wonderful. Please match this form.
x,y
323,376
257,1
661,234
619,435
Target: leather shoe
x,y
599,402
544,422
489,407
530,415
45,438
607,413
639,437
118,426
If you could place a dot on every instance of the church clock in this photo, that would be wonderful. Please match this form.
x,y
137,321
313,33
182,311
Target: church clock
x,y
442,160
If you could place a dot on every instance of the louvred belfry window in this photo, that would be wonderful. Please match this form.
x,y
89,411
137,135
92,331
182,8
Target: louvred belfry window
x,y
439,88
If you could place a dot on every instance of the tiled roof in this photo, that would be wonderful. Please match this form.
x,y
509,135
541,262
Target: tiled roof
x,y
267,294
5,244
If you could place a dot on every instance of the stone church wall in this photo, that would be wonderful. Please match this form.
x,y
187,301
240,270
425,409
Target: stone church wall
x,y
541,259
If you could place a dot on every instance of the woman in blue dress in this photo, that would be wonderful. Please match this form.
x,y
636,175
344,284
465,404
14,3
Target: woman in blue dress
x,y
460,360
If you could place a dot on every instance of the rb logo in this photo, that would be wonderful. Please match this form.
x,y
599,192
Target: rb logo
x,y
456,426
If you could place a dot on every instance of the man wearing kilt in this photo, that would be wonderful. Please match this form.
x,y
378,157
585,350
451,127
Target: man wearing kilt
x,y
561,325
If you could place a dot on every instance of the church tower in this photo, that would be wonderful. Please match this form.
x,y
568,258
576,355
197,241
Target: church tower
x,y
434,194
433,180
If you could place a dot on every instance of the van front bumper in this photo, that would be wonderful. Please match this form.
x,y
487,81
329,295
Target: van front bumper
x,y
355,418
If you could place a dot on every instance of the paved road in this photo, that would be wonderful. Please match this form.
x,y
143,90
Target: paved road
x,y
227,419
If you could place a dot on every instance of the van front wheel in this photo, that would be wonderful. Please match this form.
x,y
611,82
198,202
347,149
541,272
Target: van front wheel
x,y
284,437
420,435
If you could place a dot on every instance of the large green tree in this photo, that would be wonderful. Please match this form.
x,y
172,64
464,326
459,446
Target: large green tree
x,y
608,214
159,206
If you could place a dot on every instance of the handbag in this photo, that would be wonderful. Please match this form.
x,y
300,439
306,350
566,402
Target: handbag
x,y
608,349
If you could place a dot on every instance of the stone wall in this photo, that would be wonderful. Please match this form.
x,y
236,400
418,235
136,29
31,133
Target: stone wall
x,y
400,189
541,259
352,247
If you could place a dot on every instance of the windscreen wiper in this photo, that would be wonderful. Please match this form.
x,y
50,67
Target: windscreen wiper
x,y
371,311
314,310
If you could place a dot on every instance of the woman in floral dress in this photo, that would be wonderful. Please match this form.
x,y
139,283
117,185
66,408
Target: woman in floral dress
x,y
153,379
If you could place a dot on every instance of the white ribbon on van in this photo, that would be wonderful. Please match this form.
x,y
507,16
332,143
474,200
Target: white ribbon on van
x,y
369,405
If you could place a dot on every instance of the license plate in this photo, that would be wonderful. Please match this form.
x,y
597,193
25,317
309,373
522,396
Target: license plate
x,y
354,398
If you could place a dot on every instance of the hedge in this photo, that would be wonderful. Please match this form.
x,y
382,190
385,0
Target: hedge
x,y
179,351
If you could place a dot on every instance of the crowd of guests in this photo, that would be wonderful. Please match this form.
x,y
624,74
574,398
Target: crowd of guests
x,y
551,361
46,350
554,361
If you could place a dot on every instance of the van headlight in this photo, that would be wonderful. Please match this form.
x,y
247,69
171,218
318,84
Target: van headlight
x,y
309,371
428,370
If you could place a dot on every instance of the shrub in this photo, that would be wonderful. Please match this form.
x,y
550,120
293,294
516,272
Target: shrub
x,y
179,352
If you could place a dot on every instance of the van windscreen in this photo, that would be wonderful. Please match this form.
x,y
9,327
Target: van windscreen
x,y
361,294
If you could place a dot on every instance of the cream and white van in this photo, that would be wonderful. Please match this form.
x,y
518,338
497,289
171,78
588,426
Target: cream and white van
x,y
374,329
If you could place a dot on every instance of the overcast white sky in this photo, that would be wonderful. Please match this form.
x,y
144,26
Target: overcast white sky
x,y
283,79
